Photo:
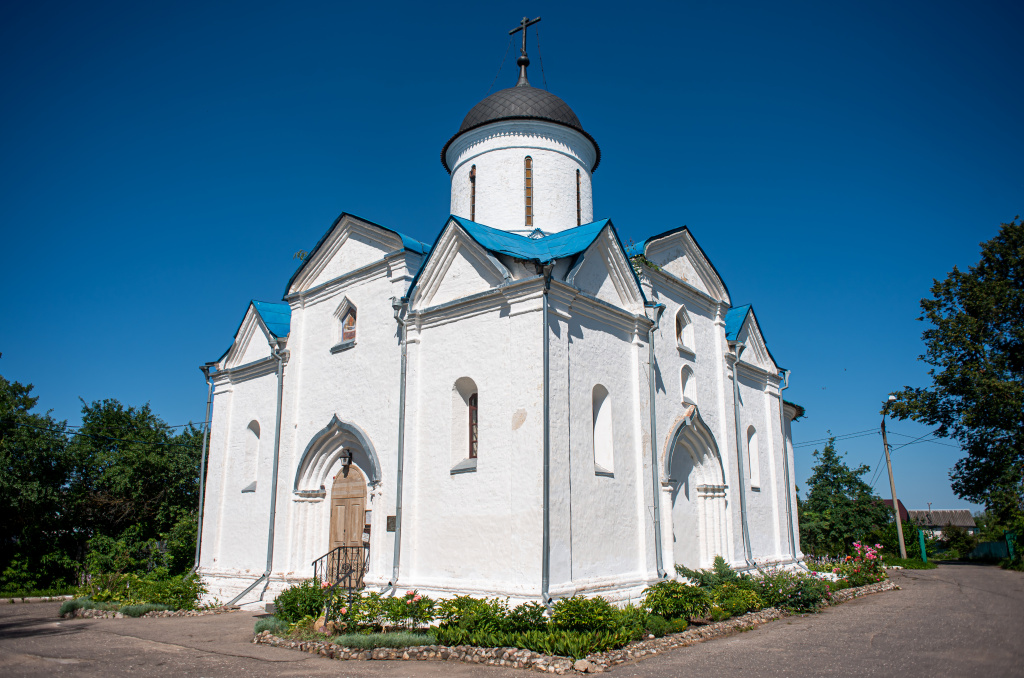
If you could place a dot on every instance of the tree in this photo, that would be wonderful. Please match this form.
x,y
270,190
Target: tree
x,y
135,487
37,543
840,507
975,347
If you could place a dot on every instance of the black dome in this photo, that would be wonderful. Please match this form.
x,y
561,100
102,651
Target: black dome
x,y
522,102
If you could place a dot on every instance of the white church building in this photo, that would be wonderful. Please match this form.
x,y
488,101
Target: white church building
x,y
522,408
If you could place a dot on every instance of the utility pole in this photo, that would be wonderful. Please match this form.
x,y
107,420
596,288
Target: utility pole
x,y
892,483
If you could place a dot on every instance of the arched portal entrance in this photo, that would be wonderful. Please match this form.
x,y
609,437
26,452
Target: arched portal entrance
x,y
695,473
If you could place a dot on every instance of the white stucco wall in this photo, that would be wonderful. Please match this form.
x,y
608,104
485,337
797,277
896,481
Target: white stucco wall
x,y
498,151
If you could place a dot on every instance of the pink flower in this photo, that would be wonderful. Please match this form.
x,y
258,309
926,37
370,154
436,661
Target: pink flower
x,y
410,593
324,585
344,610
417,598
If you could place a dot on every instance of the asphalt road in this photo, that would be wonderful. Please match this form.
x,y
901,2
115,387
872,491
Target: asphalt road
x,y
958,620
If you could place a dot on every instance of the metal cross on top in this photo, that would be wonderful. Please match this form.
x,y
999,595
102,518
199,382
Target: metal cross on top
x,y
523,25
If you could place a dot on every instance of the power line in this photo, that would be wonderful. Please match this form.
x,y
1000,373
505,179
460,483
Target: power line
x,y
98,437
502,65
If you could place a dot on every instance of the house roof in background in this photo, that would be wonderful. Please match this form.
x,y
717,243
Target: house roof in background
x,y
943,517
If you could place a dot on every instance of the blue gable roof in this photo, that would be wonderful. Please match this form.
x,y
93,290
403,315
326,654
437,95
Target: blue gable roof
x,y
734,320
277,317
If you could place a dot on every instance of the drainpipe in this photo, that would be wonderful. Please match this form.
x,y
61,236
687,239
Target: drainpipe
x,y
655,486
738,347
785,465
202,464
399,305
545,580
281,356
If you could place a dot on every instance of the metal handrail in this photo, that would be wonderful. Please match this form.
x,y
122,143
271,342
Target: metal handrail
x,y
342,566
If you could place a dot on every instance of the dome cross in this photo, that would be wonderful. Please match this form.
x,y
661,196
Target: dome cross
x,y
523,61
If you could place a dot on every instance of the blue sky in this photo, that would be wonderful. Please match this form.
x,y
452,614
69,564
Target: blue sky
x,y
160,163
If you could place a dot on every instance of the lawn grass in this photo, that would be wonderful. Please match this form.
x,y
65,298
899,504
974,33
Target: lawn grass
x,y
910,563
369,641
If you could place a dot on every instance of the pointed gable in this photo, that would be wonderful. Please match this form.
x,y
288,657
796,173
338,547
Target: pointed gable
x,y
741,325
678,255
350,244
458,267
262,323
604,272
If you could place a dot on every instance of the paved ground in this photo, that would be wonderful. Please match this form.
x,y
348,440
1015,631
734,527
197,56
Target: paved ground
x,y
958,620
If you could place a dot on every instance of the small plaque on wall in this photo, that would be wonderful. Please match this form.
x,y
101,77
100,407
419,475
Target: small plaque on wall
x,y
391,523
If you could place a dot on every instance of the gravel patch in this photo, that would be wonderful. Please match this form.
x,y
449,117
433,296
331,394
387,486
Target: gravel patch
x,y
526,659
112,614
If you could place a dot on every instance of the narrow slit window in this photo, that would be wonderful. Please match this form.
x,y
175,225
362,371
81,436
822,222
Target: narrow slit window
x,y
579,210
472,193
528,187
474,426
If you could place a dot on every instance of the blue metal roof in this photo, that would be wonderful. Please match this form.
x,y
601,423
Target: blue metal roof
x,y
550,247
568,243
734,320
277,317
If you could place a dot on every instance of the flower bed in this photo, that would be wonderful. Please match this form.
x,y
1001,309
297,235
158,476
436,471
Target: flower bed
x,y
82,613
528,659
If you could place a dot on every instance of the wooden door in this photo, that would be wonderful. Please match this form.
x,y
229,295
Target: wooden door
x,y
348,508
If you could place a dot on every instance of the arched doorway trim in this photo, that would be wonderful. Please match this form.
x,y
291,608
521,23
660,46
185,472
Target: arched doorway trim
x,y
691,424
323,451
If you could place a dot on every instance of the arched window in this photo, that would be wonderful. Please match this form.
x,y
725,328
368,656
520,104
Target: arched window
x,y
528,189
604,444
684,330
465,425
472,193
579,210
687,385
753,458
250,463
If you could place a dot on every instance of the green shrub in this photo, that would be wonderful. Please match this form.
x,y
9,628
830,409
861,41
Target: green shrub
x,y
735,600
677,625
527,617
87,604
720,573
409,611
305,599
141,609
370,641
657,625
70,606
676,600
276,626
580,613
180,592
474,614
573,644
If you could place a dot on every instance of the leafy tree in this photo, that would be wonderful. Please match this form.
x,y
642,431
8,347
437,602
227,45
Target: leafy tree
x,y
135,484
37,541
840,507
117,495
975,347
